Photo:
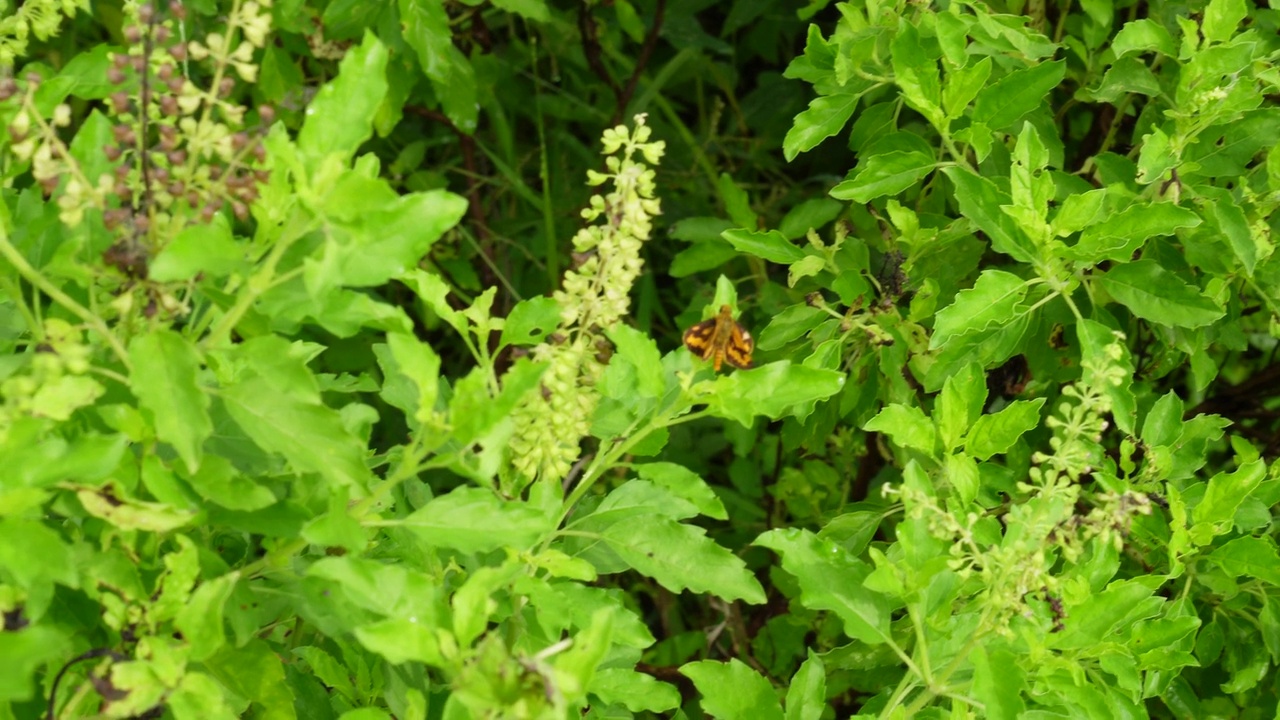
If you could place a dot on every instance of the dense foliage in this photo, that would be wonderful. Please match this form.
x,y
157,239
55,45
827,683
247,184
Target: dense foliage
x,y
341,371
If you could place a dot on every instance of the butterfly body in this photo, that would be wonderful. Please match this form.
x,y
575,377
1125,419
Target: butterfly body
x,y
721,339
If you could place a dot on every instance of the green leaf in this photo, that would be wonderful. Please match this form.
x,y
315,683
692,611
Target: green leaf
x,y
885,174
915,71
789,325
1005,101
1102,347
637,691
770,245
736,202
981,201
1153,293
426,28
998,683
1080,210
254,672
1230,219
369,713
1215,514
535,10
826,116
681,557
401,640
1249,556
221,482
807,694
340,117
733,691
1221,18
475,520
1145,35
772,390
22,652
164,377
200,620
963,85
310,435
128,514
684,483
994,299
905,425
1119,236
382,241
199,697
328,670
996,433
811,214
203,248
641,351
33,555
1101,614
963,395
831,579
530,322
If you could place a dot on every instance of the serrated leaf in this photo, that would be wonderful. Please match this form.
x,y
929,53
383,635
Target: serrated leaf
x,y
1155,294
831,579
993,299
164,377
340,116
770,245
772,390
906,425
475,520
636,691
733,691
309,434
885,174
682,557
997,432
825,116
807,694
980,201
1005,101
1122,234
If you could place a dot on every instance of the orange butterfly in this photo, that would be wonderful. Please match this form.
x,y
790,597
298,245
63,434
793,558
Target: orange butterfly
x,y
721,339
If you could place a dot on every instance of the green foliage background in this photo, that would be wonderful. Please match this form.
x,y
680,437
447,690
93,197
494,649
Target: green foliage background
x,y
274,360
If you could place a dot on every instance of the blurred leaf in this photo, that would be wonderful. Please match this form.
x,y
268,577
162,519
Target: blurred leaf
x,y
475,520
733,691
208,248
309,435
905,425
771,390
164,377
831,579
200,620
770,245
340,117
807,694
636,691
682,557
685,484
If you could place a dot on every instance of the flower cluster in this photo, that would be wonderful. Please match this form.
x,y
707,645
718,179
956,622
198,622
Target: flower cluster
x,y
41,18
179,150
594,295
54,383
1045,526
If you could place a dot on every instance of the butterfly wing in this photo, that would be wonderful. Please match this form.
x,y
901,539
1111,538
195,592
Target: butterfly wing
x,y
741,344
699,338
